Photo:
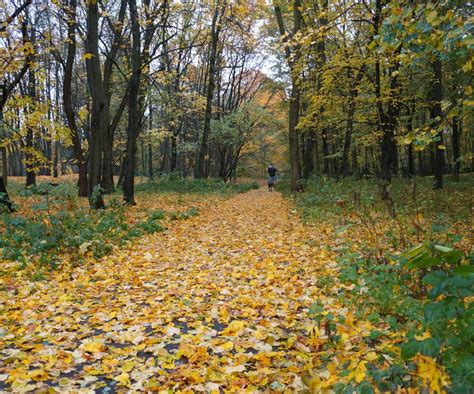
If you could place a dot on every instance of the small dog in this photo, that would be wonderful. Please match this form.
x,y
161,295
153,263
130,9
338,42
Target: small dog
x,y
271,184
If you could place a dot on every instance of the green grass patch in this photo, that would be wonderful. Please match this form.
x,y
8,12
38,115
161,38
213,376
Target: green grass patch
x,y
322,197
194,186
51,234
47,238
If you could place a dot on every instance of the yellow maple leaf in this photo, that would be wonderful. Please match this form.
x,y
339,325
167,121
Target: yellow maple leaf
x,y
95,347
371,356
224,316
123,379
128,366
359,371
233,328
425,335
93,371
199,355
38,375
226,346
432,375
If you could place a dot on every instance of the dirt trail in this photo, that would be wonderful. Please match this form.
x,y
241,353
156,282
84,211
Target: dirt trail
x,y
217,301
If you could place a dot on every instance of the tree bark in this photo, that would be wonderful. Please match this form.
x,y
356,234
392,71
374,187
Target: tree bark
x,y
139,55
411,160
133,126
98,119
4,172
455,143
353,93
150,161
421,164
344,167
327,167
4,198
309,152
436,116
294,105
410,156
29,152
149,145
215,30
67,101
107,176
387,117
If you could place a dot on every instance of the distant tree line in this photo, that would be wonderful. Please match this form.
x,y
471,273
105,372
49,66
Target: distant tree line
x,y
378,87
119,88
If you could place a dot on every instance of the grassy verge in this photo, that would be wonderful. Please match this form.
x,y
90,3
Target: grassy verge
x,y
53,226
60,231
404,267
194,186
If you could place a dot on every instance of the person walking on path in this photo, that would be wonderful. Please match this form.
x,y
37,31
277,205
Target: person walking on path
x,y
272,177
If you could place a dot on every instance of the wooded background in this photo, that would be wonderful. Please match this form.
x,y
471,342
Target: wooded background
x,y
341,88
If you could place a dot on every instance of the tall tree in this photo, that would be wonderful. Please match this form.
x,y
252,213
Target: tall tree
x,y
99,116
19,63
293,55
67,98
436,114
139,58
218,13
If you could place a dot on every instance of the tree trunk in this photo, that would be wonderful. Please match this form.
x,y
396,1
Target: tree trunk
x,y
149,145
98,118
293,139
150,161
134,110
436,116
56,159
455,142
67,101
421,164
387,116
317,163
344,167
107,181
3,163
174,154
411,160
29,151
355,163
108,132
4,198
215,30
294,105
309,152
326,153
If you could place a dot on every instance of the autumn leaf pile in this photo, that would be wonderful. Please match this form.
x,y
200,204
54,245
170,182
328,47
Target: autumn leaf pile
x,y
241,297
219,301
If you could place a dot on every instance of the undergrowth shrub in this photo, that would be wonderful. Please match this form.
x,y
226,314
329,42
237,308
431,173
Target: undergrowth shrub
x,y
420,301
151,225
189,213
53,231
194,186
448,313
427,294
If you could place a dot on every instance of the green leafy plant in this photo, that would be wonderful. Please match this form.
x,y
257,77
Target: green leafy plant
x,y
449,314
46,237
194,186
190,212
151,224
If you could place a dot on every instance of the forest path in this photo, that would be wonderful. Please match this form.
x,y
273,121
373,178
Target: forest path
x,y
219,300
